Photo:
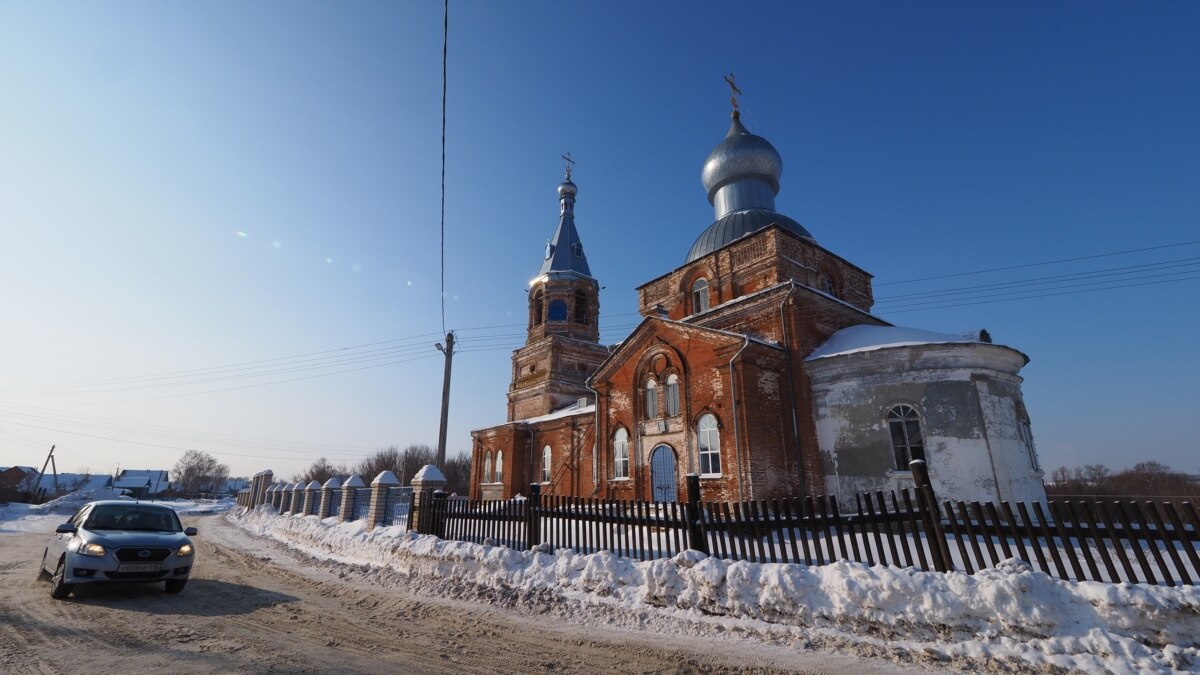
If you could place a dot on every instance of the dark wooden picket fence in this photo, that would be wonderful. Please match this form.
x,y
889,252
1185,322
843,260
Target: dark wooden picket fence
x,y
1151,542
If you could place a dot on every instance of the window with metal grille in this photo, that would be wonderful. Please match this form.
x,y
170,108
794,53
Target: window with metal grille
x,y
546,457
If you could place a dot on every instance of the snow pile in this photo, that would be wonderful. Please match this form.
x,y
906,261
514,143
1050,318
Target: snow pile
x,y
18,517
997,616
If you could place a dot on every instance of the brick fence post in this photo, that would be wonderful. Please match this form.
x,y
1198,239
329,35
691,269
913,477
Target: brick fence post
x,y
533,516
931,519
323,511
268,479
425,483
277,496
312,492
697,541
285,503
349,492
379,493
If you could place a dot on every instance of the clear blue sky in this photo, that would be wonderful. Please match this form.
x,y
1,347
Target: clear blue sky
x,y
221,194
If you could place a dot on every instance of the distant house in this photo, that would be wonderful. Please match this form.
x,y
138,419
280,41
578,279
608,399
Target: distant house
x,y
16,481
13,482
143,484
234,485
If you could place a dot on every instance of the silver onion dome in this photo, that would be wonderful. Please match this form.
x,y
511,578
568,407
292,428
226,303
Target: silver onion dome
x,y
742,172
741,176
567,188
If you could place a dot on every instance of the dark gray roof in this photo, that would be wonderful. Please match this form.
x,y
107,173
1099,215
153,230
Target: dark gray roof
x,y
739,224
564,253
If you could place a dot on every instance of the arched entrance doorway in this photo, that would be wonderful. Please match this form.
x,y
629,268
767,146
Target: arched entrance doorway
x,y
662,474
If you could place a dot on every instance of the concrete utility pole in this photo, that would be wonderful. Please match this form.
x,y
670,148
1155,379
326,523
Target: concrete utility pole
x,y
448,350
37,486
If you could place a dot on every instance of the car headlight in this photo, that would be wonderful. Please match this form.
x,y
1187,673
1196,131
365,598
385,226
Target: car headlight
x,y
92,549
185,550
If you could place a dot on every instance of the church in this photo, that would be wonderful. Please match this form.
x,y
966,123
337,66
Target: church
x,y
757,366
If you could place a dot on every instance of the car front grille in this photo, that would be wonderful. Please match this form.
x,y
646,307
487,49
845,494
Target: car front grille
x,y
133,555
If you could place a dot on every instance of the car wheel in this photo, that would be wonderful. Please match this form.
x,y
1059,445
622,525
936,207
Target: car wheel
x,y
42,573
175,585
60,589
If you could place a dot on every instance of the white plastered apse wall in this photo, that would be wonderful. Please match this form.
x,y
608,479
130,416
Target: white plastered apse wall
x,y
967,396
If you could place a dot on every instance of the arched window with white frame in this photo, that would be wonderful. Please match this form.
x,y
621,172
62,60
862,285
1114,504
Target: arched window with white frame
x,y
700,295
487,468
907,442
499,466
708,440
651,399
547,456
621,454
672,395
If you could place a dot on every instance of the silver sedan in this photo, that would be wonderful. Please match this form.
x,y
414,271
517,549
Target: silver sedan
x,y
119,541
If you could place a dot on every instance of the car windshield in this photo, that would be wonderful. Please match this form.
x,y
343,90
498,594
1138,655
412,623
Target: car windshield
x,y
132,518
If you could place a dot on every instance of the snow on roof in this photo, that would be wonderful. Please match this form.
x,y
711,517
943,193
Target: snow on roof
x,y
863,338
573,409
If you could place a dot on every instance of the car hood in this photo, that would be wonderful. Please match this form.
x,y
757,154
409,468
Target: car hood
x,y
121,538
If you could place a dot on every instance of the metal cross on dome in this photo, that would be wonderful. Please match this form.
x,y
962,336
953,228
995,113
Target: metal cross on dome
x,y
734,92
570,163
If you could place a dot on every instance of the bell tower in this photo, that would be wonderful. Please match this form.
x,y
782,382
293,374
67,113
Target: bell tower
x,y
562,343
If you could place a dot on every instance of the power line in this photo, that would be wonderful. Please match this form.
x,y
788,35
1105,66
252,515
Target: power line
x,y
1039,264
445,43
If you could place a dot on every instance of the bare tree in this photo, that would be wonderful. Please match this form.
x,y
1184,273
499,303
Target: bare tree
x,y
383,460
197,472
404,463
458,474
321,471
82,478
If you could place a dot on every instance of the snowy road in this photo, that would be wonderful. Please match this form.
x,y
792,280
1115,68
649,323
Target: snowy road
x,y
252,606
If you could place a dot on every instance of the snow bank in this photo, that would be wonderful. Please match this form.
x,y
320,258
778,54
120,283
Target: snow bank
x,y
44,517
1000,615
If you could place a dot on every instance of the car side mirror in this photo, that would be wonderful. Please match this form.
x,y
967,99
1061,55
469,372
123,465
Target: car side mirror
x,y
189,531
65,528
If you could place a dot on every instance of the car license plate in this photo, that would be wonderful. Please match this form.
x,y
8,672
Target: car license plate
x,y
139,567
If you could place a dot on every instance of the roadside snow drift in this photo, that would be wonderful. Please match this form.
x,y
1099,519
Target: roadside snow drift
x,y
1000,616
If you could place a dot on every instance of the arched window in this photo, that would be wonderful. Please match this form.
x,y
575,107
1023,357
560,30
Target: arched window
x,y
699,296
824,283
499,466
487,468
651,399
709,442
557,311
621,454
537,307
905,425
546,457
581,307
672,395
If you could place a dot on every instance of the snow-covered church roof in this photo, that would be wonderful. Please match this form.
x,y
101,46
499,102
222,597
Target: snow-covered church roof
x,y
864,338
